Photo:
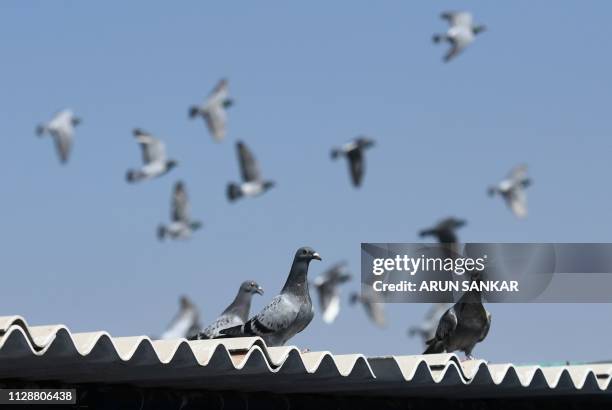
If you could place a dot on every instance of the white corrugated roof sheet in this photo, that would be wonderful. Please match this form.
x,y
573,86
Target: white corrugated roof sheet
x,y
52,352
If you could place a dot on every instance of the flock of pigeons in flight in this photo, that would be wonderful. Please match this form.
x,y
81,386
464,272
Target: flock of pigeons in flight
x,y
445,328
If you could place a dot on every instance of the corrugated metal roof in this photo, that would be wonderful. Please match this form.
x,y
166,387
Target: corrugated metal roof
x,y
52,352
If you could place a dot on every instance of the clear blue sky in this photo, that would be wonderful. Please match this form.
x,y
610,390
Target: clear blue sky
x,y
79,243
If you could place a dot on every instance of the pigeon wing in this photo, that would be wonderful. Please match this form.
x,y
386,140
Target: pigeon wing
x,y
214,115
181,325
458,18
518,173
447,324
355,158
330,303
517,201
63,142
277,316
222,322
248,165
180,204
485,330
153,150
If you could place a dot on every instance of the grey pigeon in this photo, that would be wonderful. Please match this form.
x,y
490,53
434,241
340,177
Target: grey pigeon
x,y
186,323
253,184
461,33
354,152
427,329
444,231
213,110
327,286
462,326
236,313
288,313
61,128
512,190
182,225
373,307
153,157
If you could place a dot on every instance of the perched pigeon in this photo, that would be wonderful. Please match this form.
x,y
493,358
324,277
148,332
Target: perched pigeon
x,y
252,184
182,225
61,128
327,287
444,231
427,329
462,326
186,323
153,157
374,308
213,110
288,313
236,313
354,152
512,189
461,33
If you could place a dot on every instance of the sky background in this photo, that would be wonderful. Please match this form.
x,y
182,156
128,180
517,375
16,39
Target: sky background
x,y
78,243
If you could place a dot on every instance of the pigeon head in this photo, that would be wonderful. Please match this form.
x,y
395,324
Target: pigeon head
x,y
228,103
76,121
185,302
268,184
195,225
479,29
171,163
251,287
307,254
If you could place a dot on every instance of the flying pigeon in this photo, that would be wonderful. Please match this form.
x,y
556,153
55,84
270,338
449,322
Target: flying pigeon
x,y
327,287
235,314
444,231
427,329
512,190
182,225
288,313
354,152
372,306
153,157
252,184
186,323
61,128
461,33
213,110
462,326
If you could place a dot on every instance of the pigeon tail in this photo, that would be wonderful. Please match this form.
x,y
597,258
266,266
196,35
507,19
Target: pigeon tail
x,y
161,232
194,110
233,192
434,346
134,176
40,130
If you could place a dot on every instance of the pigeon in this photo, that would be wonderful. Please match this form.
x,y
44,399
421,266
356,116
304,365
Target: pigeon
x,y
61,128
182,225
213,110
235,314
327,287
462,326
153,157
444,231
461,33
353,151
512,190
427,329
185,323
252,184
372,306
288,313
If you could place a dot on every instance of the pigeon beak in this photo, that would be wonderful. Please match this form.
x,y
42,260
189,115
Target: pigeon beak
x,y
259,290
316,256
